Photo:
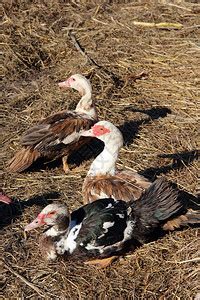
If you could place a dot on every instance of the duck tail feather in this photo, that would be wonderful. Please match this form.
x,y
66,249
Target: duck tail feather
x,y
159,202
22,160
191,217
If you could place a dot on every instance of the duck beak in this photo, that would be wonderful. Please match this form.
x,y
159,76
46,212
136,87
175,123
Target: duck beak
x,y
87,133
5,199
64,84
38,222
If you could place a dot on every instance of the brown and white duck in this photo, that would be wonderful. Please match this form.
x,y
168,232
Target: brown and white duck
x,y
103,179
58,135
106,228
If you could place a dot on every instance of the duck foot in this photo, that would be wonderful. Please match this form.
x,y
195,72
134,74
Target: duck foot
x,y
102,263
65,164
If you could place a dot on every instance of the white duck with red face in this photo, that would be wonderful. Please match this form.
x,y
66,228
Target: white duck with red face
x,y
103,179
105,162
83,86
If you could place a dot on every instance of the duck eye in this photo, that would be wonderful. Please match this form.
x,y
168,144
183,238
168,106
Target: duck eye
x,y
51,213
73,79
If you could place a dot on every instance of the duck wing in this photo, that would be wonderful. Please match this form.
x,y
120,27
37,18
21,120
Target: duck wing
x,y
103,228
118,187
134,178
58,130
158,204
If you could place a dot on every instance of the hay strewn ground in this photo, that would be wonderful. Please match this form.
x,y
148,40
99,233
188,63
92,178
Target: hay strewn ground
x,y
158,115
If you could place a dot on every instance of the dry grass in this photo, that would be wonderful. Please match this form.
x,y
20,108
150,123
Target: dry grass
x,y
38,53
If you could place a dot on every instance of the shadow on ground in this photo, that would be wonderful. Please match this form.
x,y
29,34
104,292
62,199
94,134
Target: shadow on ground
x,y
179,161
9,213
130,128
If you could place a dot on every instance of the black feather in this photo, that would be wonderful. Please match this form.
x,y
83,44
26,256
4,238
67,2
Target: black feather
x,y
159,202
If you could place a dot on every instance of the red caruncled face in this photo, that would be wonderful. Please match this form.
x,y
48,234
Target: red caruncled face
x,y
100,130
41,217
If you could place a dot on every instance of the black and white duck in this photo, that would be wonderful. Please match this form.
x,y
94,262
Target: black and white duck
x,y
103,229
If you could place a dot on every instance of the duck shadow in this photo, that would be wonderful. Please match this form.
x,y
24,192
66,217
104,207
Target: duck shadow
x,y
179,161
11,212
86,152
130,128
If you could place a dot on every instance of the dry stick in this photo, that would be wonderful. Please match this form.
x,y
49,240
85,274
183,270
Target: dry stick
x,y
159,25
197,259
31,285
91,61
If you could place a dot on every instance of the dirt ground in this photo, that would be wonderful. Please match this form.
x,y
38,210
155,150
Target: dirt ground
x,y
157,114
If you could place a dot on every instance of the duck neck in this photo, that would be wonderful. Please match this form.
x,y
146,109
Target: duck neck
x,y
59,228
105,162
63,223
86,105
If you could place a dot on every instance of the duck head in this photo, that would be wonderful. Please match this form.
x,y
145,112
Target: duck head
x,y
77,82
51,215
106,132
81,84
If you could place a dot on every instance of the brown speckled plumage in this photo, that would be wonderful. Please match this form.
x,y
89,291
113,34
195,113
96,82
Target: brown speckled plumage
x,y
124,185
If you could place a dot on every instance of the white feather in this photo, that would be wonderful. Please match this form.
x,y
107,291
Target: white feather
x,y
120,215
91,246
128,230
107,225
69,243
71,138
109,205
51,232
51,255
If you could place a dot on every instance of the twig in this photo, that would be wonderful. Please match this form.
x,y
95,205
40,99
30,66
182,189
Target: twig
x,y
189,260
80,48
138,76
197,259
91,61
178,6
163,25
31,285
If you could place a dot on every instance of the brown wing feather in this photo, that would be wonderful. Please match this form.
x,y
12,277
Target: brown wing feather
x,y
134,178
56,130
118,187
53,137
23,159
190,217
